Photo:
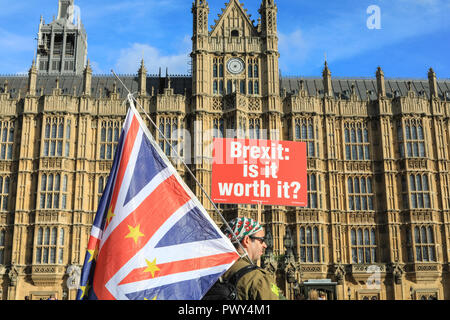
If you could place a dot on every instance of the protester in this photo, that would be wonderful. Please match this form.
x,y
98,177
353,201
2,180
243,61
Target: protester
x,y
257,284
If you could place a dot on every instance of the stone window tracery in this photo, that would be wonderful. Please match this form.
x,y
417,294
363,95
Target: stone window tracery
x,y
314,183
253,76
254,128
307,131
109,138
4,192
310,244
218,128
57,133
49,245
411,138
424,242
53,193
363,245
356,141
171,127
218,74
360,193
6,140
420,191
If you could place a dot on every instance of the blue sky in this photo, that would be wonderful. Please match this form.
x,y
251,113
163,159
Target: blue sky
x,y
414,35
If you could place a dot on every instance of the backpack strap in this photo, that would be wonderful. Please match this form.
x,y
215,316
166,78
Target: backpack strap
x,y
242,272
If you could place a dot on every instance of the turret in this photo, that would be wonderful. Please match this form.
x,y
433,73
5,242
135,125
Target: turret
x,y
380,83
327,86
142,75
32,79
87,79
433,83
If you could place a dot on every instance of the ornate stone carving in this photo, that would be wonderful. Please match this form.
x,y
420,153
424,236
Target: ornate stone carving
x,y
13,274
339,273
397,270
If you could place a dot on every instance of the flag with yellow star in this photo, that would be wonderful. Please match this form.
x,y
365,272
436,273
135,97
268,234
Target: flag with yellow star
x,y
151,239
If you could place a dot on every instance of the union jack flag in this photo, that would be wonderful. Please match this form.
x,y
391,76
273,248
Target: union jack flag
x,y
151,238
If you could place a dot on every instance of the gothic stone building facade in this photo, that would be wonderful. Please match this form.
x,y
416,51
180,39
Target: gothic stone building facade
x,y
377,225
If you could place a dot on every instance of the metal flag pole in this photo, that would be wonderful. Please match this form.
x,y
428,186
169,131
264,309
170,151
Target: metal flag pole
x,y
130,96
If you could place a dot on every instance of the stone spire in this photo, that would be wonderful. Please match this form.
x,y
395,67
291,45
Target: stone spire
x,y
380,82
327,86
433,83
87,79
142,75
32,79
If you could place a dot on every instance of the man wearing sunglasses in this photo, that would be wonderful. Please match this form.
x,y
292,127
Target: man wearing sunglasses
x,y
256,284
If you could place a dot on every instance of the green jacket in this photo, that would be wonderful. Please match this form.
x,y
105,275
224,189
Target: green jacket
x,y
255,285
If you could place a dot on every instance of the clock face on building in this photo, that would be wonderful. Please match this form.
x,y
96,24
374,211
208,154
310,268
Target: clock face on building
x,y
235,66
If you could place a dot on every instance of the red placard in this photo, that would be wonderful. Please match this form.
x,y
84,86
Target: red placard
x,y
259,171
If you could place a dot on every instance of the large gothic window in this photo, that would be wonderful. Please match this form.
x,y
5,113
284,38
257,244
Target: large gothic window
x,y
53,193
57,133
6,140
171,127
109,138
363,245
411,139
314,193
356,141
49,245
420,191
253,76
4,192
360,193
307,131
218,76
424,244
218,128
310,244
254,128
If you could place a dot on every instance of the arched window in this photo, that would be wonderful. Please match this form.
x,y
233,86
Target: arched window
x,y
360,193
49,247
313,186
356,137
256,87
229,87
413,140
242,87
4,193
235,33
310,244
171,127
420,192
7,139
363,245
424,243
304,132
109,138
51,193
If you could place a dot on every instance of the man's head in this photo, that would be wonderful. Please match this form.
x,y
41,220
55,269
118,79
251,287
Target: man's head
x,y
250,234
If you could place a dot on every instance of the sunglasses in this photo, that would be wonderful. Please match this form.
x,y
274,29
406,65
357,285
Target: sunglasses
x,y
260,239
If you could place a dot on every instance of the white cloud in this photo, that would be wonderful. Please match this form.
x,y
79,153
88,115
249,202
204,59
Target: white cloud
x,y
130,58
